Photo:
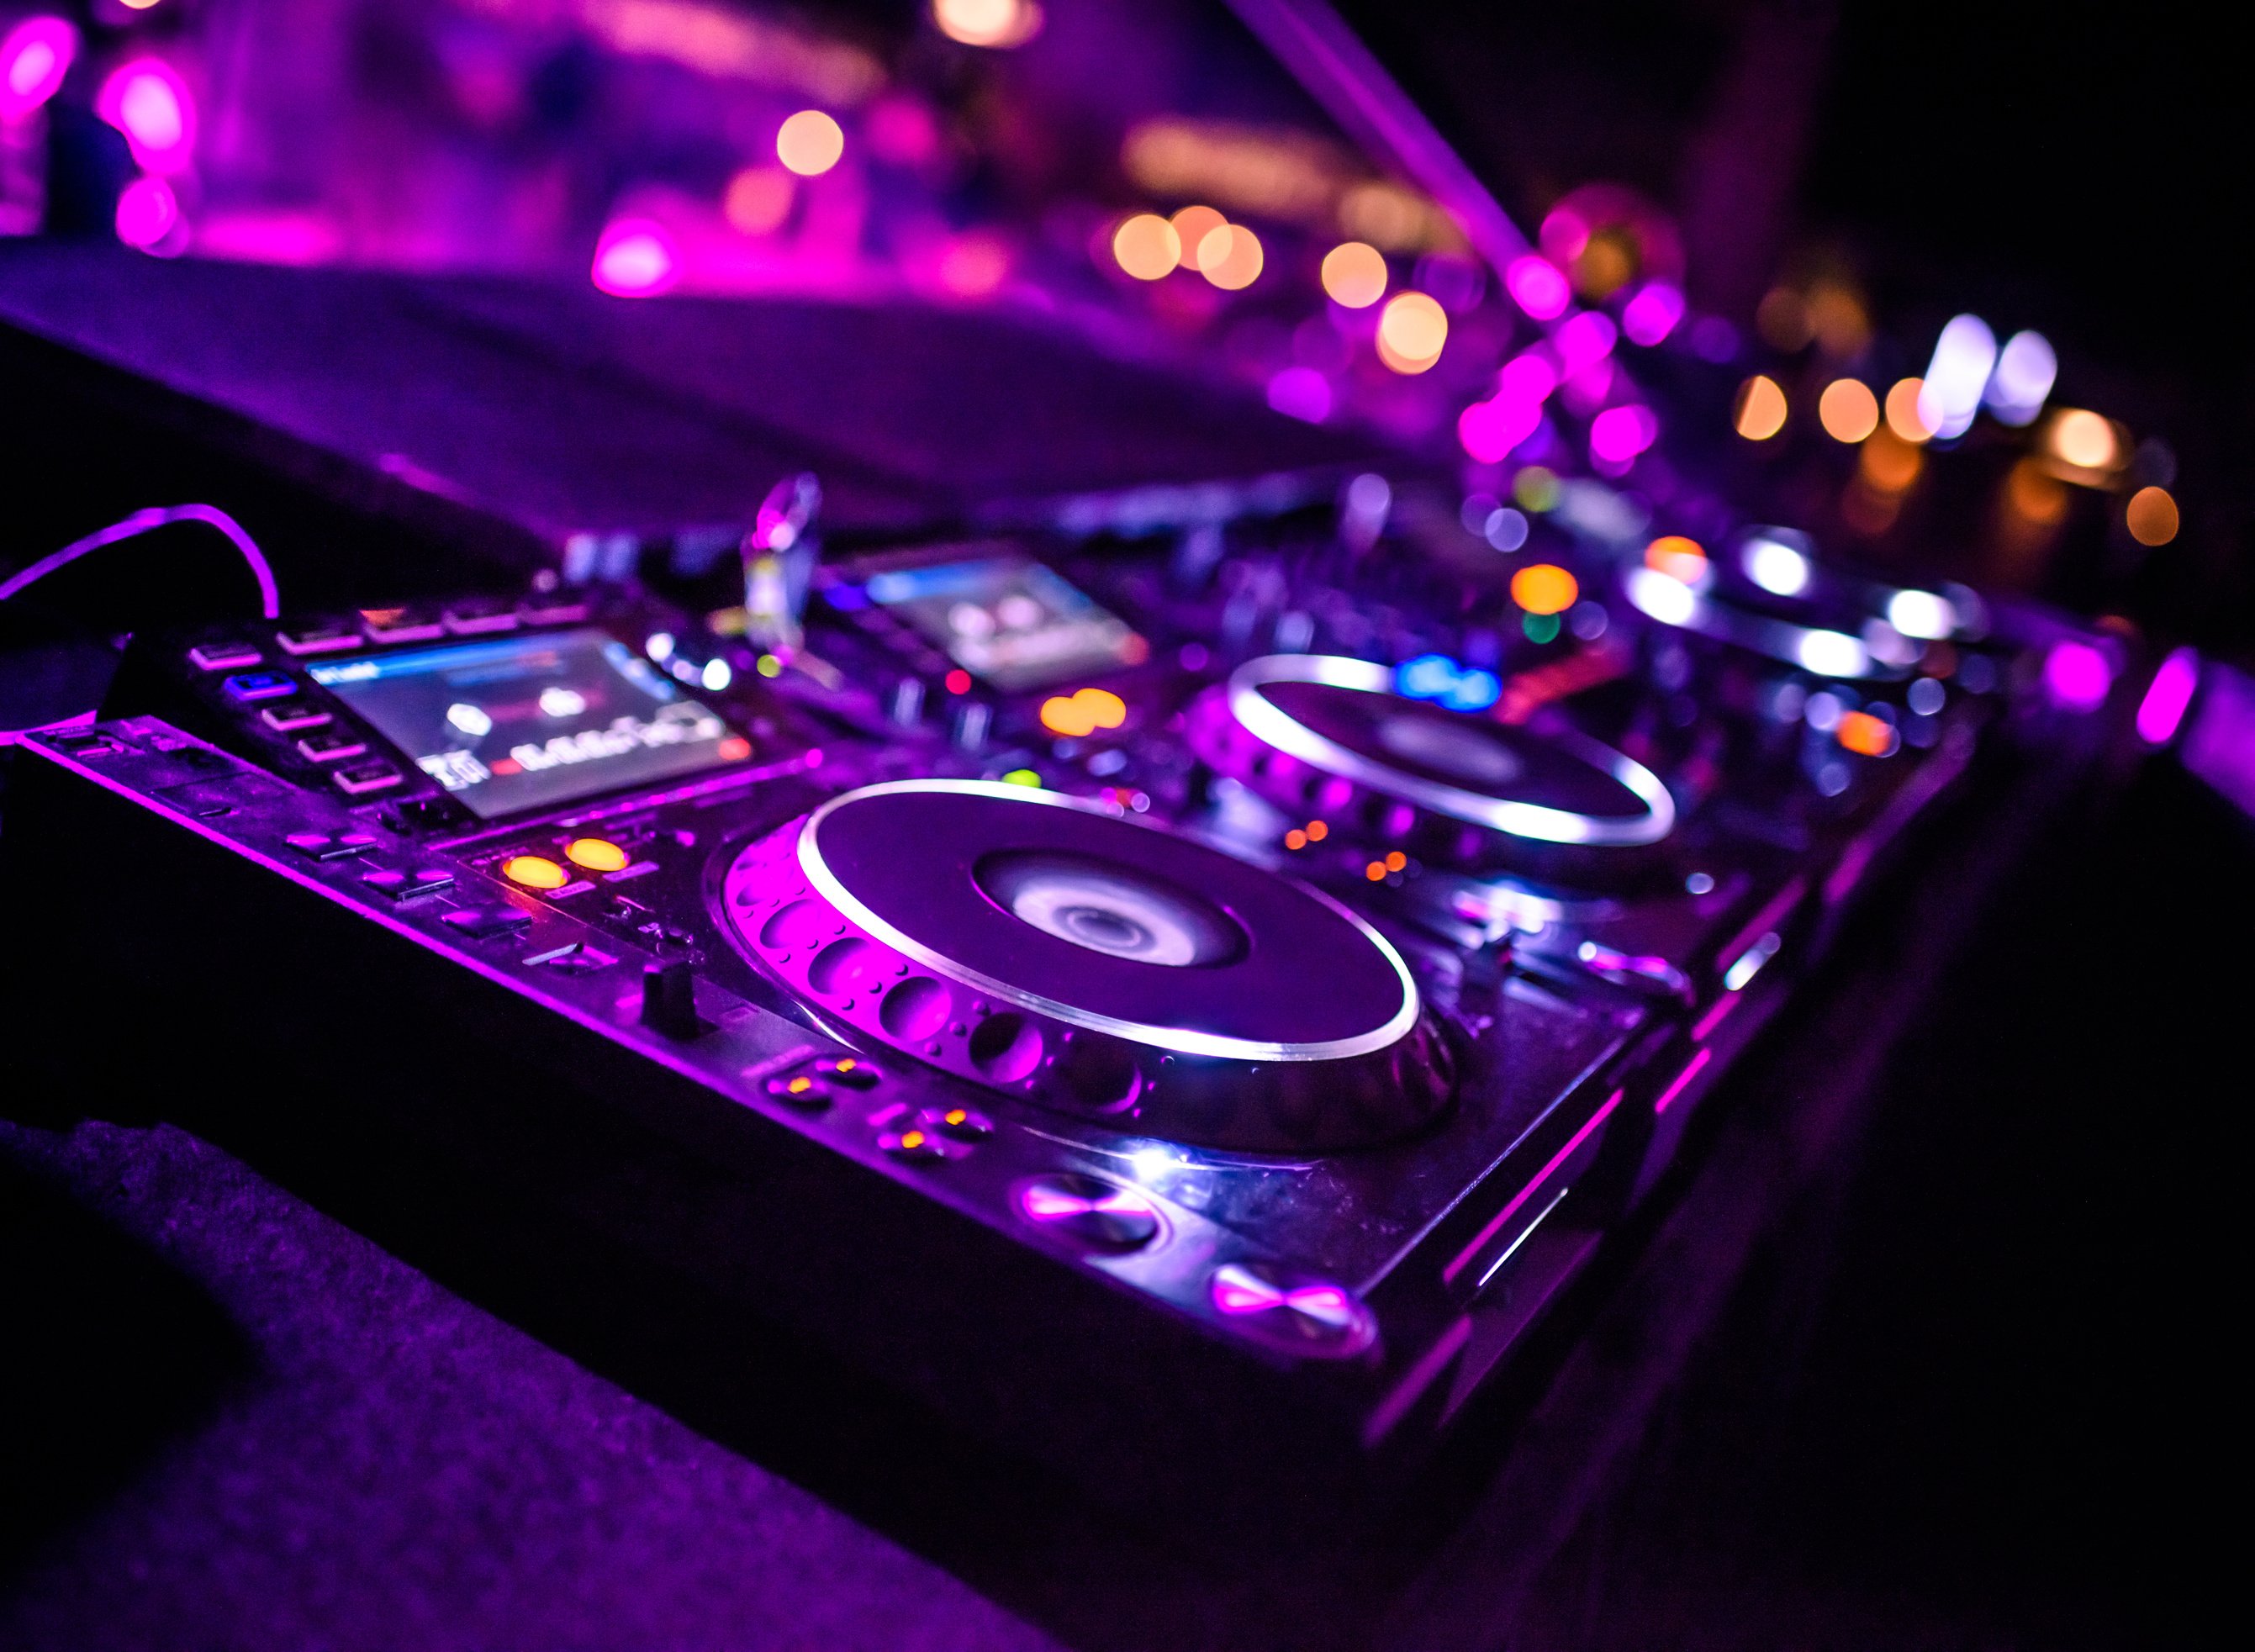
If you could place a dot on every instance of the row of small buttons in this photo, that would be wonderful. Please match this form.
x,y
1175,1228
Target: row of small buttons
x,y
392,625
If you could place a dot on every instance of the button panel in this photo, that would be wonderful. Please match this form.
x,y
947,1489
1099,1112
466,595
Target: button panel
x,y
406,885
317,639
323,846
364,777
484,922
289,716
334,747
223,656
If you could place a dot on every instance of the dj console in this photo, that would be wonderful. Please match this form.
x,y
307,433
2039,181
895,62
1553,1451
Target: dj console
x,y
1188,1010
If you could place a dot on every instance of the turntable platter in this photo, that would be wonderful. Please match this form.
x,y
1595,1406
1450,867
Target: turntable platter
x,y
1040,945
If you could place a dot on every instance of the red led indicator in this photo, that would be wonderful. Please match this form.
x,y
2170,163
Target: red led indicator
x,y
959,682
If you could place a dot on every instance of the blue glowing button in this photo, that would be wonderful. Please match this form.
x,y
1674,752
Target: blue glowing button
x,y
405,886
364,777
250,686
223,657
486,921
332,747
322,846
290,715
1090,1210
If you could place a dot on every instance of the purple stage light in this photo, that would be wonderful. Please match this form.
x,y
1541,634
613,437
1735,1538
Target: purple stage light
x,y
2076,675
1585,340
1537,287
1302,393
1653,313
2168,696
147,212
636,259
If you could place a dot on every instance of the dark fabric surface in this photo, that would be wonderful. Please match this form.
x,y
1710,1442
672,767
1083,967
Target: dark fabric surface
x,y
254,1429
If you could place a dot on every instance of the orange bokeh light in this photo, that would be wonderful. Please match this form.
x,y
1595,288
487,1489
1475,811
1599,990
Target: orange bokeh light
x,y
2152,516
1412,329
1677,556
1230,256
1903,417
1084,713
1848,410
1354,274
1192,225
1760,411
809,143
1544,588
1865,735
1146,247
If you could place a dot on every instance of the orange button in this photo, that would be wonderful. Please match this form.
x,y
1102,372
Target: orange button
x,y
535,872
596,854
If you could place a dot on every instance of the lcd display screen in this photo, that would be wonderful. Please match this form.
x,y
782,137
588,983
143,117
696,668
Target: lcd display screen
x,y
1011,622
529,722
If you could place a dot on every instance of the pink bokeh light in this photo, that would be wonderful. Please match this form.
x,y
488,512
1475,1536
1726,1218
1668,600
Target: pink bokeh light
x,y
1302,393
1537,287
147,212
2077,676
149,102
36,55
1585,340
1618,434
1653,313
636,258
1489,430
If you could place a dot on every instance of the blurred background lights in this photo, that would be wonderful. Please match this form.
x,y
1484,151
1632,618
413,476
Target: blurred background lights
x,y
147,212
1776,566
1230,257
2025,368
2076,675
34,57
1354,274
809,143
1544,588
1653,313
1903,417
1147,246
1584,339
1963,357
717,675
1848,410
1412,330
988,22
1922,614
1537,287
1192,225
2083,440
636,259
1760,411
149,102
2152,516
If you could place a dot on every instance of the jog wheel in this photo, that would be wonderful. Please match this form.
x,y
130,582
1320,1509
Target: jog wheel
x,y
1035,944
1323,736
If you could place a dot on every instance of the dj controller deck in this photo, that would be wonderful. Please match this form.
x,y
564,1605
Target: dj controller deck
x,y
1189,1010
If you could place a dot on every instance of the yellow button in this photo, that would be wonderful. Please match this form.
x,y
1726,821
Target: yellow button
x,y
535,872
597,855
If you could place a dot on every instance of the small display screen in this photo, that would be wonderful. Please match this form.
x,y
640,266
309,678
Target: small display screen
x,y
529,722
1013,624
